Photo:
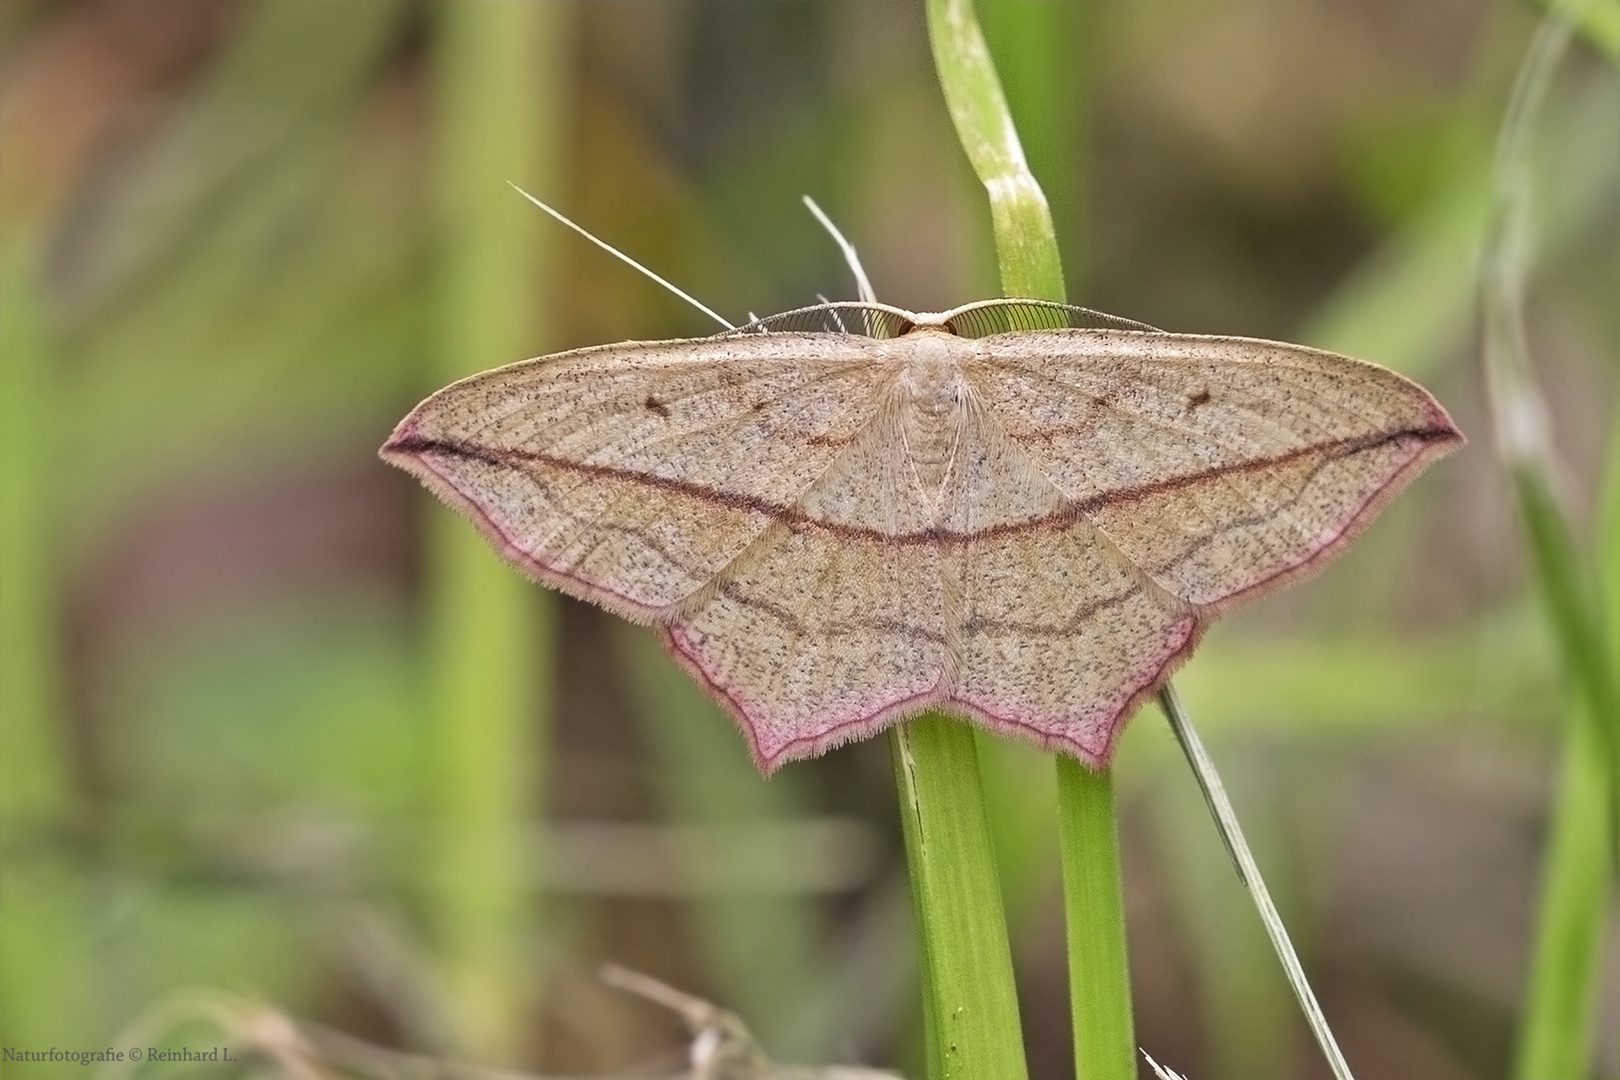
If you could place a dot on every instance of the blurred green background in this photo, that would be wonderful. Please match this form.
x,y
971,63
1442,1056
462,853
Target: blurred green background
x,y
273,724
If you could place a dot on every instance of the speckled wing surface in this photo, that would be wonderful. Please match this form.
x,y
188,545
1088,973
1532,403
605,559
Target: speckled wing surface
x,y
835,531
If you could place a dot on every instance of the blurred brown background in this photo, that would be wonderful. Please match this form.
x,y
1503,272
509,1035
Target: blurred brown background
x,y
230,264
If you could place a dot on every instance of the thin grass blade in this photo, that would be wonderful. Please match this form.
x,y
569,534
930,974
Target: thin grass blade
x,y
1220,808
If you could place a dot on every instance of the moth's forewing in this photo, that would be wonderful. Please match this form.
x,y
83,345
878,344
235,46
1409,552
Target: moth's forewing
x,y
836,530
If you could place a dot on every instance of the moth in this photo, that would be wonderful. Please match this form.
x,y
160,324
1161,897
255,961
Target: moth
x,y
1020,512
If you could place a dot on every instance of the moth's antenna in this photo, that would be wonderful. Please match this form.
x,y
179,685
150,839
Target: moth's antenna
x,y
611,250
838,320
862,284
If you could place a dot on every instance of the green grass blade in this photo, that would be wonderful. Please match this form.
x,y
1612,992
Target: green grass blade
x,y
1561,998
1556,1040
1026,247
970,1005
498,98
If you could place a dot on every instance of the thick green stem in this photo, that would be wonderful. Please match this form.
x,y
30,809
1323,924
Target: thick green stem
x,y
1094,912
1099,977
970,1006
498,98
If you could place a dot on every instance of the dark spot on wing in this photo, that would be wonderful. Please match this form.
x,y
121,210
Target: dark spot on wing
x,y
1199,397
656,406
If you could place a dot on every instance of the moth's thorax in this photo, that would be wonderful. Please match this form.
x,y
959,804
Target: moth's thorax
x,y
931,376
932,400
